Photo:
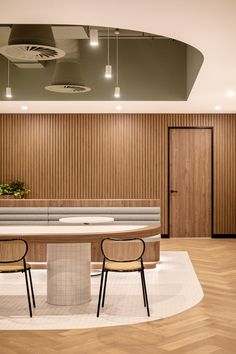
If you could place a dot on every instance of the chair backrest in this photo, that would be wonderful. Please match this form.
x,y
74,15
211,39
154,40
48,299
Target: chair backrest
x,y
122,250
12,250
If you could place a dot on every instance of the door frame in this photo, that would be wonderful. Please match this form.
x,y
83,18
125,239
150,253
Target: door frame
x,y
212,173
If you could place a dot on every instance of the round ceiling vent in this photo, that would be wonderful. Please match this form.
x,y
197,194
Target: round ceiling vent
x,y
68,88
32,42
67,78
32,52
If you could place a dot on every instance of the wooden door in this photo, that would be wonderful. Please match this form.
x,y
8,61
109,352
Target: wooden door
x,y
190,182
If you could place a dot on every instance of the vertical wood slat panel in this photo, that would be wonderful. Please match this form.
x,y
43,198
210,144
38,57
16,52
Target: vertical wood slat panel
x,y
109,156
82,156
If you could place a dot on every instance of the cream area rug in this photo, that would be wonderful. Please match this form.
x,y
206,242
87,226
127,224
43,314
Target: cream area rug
x,y
172,287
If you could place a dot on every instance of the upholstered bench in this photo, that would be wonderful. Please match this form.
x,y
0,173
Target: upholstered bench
x,y
23,215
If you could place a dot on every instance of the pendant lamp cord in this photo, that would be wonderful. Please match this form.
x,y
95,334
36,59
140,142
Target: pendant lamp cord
x,y
117,62
8,73
108,46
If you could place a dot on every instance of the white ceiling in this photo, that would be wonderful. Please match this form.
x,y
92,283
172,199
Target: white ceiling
x,y
208,25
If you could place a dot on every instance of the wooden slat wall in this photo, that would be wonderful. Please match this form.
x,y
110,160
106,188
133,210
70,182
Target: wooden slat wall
x,y
82,156
112,156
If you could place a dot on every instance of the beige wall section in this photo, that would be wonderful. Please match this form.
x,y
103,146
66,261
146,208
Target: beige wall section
x,y
109,156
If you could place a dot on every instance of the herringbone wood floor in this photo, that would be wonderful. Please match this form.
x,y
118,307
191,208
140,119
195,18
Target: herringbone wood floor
x,y
209,327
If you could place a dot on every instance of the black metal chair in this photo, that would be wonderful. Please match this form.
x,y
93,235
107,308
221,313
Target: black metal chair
x,y
114,250
12,260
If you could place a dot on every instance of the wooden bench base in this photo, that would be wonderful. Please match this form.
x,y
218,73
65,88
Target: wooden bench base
x,y
38,252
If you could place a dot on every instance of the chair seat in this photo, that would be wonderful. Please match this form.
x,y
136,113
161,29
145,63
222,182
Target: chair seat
x,y
13,267
123,266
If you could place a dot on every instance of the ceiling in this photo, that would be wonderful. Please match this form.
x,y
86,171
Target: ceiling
x,y
209,26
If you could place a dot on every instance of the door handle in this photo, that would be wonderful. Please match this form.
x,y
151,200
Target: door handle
x,y
173,191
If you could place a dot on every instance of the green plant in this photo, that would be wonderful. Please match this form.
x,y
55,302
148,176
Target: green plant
x,y
15,188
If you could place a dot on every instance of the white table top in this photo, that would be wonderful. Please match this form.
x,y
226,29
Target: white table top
x,y
65,229
87,220
76,233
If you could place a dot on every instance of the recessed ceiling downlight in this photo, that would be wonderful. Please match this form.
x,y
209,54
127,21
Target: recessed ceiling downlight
x,y
32,42
231,93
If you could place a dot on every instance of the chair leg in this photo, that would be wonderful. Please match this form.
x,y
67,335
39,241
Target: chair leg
x,y
104,290
32,289
145,290
144,297
100,293
28,294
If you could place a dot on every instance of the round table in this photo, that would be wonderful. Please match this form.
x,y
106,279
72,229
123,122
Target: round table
x,y
69,254
87,220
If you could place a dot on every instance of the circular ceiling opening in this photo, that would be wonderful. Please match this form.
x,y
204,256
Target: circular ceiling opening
x,y
104,63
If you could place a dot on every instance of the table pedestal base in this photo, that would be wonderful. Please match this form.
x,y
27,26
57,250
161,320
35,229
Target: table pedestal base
x,y
68,274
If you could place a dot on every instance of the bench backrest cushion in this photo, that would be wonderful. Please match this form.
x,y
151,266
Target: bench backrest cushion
x,y
51,215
